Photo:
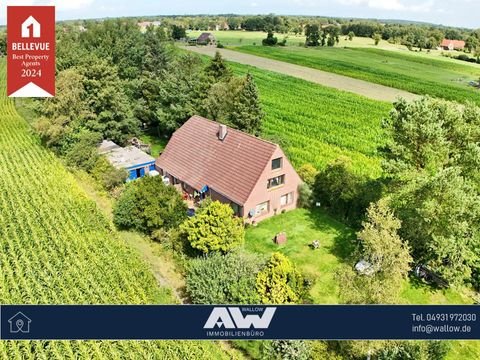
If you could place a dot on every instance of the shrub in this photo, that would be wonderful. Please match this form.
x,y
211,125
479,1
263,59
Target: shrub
x,y
270,40
304,196
83,153
223,279
280,282
286,350
214,228
344,193
308,172
220,45
148,204
107,175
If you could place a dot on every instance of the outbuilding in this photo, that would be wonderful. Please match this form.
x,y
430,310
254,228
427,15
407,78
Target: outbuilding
x,y
136,162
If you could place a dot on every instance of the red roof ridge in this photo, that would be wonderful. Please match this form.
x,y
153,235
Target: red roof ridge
x,y
235,130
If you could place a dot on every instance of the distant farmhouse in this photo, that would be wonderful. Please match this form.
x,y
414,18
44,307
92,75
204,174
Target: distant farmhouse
x,y
145,24
205,158
206,38
136,162
452,44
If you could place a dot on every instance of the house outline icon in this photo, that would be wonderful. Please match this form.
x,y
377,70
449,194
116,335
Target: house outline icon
x,y
31,22
19,323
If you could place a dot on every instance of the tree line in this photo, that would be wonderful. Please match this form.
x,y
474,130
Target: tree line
x,y
115,81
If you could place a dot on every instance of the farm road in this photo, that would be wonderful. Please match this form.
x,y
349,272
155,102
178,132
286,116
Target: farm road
x,y
340,82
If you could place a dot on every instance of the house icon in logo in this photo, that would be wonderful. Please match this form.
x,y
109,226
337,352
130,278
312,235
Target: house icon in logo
x,y
31,28
19,323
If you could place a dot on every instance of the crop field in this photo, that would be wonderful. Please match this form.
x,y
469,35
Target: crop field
x,y
316,125
411,72
57,248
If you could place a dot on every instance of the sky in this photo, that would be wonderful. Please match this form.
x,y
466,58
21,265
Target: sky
x,y
462,13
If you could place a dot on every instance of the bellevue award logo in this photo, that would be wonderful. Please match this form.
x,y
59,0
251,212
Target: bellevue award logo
x,y
31,51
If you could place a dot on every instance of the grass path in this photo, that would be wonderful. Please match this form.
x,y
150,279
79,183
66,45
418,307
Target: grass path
x,y
163,266
340,82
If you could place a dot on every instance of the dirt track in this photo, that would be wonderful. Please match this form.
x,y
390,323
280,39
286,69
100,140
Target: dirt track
x,y
340,82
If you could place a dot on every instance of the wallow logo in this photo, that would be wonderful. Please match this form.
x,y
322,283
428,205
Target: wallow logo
x,y
233,318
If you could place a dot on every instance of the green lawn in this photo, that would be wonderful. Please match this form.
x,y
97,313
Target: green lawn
x,y
337,241
402,70
156,142
316,124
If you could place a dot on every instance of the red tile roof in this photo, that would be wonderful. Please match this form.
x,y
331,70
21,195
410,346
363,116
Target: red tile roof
x,y
231,167
457,44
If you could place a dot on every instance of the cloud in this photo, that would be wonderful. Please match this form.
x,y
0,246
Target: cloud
x,y
392,5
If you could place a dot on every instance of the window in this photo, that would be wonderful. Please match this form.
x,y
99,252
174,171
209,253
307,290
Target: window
x,y
276,181
262,208
286,199
277,164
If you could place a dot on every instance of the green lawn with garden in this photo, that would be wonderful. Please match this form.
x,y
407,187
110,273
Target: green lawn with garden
x,y
407,71
337,241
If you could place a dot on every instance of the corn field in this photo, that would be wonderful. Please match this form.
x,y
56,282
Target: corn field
x,y
316,125
57,248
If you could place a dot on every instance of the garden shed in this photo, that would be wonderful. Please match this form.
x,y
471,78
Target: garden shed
x,y
130,158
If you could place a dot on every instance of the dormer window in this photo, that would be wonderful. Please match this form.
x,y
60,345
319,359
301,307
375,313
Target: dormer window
x,y
277,163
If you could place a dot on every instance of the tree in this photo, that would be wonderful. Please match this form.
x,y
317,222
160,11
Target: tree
x,y
182,91
441,221
3,43
63,115
388,255
377,37
83,153
307,173
280,282
247,113
218,68
106,97
214,228
147,204
271,40
432,161
312,32
472,43
178,32
351,35
223,279
344,193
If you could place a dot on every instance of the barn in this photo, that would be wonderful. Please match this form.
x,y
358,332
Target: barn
x,y
206,38
136,162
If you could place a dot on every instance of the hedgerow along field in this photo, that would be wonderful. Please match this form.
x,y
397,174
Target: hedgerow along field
x,y
407,71
57,248
315,124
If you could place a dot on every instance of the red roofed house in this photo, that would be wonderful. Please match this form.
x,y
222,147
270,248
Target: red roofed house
x,y
250,174
452,44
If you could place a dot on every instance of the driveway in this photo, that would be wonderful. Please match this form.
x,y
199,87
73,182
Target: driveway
x,y
340,82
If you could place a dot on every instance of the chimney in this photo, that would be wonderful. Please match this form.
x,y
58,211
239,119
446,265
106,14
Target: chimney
x,y
222,132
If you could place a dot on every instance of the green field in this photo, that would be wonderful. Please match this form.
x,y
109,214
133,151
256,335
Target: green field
x,y
407,71
336,243
316,125
56,247
239,38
